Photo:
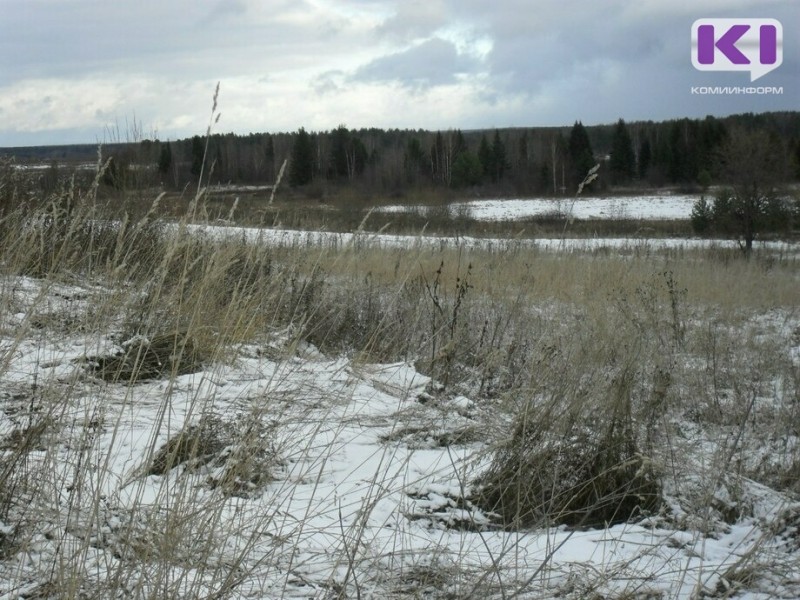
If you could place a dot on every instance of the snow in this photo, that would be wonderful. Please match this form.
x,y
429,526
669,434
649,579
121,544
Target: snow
x,y
293,237
231,188
361,498
351,503
654,206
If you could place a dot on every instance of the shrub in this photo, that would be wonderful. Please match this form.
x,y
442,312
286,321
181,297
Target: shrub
x,y
701,216
583,469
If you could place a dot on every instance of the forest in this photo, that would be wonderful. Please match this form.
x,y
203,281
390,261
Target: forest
x,y
543,161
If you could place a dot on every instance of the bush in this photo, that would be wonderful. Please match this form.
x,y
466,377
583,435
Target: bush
x,y
582,470
743,216
702,216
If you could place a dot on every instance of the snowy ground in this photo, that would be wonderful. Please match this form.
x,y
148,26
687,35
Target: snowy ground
x,y
664,206
364,499
293,237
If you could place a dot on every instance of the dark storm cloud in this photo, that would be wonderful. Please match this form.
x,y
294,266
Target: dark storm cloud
x,y
619,58
287,63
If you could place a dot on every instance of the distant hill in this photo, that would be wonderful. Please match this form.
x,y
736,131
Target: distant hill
x,y
67,153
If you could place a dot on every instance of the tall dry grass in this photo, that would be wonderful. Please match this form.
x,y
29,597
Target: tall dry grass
x,y
587,362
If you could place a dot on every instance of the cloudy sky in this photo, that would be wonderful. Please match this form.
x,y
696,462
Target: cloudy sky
x,y
103,70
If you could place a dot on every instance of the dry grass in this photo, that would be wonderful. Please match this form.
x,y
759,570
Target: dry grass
x,y
584,361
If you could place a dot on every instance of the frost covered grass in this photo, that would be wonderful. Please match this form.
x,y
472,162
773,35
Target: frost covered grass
x,y
188,412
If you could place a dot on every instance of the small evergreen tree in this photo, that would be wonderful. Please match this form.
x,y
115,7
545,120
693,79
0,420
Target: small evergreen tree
x,y
702,216
752,164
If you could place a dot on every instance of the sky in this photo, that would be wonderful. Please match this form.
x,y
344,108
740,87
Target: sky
x,y
87,71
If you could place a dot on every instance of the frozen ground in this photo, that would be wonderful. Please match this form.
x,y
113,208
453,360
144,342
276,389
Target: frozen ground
x,y
364,499
664,206
292,237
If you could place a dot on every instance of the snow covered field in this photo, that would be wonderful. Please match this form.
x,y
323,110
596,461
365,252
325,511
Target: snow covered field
x,y
267,468
362,496
664,206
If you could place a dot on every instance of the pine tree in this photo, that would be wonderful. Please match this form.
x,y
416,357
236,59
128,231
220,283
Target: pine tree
x,y
524,157
338,163
414,160
623,161
485,156
165,158
682,165
580,152
301,170
459,145
493,157
198,155
269,158
499,159
467,170
645,157
794,158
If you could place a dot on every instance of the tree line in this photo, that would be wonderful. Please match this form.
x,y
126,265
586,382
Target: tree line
x,y
512,161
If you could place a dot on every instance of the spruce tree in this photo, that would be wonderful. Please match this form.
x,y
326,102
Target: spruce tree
x,y
580,152
338,163
301,170
523,152
459,145
645,158
499,159
485,156
198,155
269,158
165,158
467,170
623,160
414,160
